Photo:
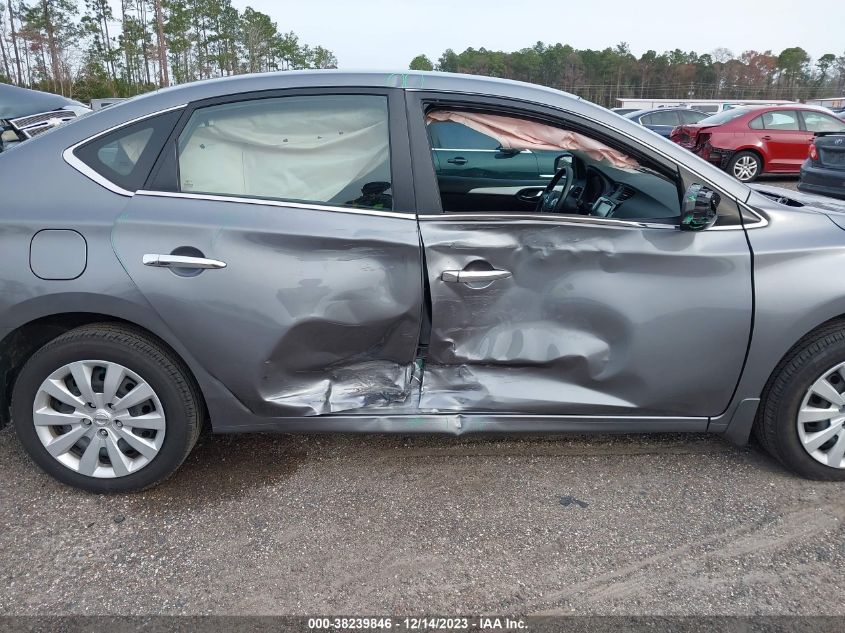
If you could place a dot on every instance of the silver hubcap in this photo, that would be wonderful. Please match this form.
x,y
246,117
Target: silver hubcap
x,y
745,168
821,417
99,419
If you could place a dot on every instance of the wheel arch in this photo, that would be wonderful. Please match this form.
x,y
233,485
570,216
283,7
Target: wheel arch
x,y
752,149
18,346
745,413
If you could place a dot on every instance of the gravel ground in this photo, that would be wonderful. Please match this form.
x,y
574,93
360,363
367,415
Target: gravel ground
x,y
253,524
274,524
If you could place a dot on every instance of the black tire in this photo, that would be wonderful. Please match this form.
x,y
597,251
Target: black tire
x,y
775,427
741,157
141,353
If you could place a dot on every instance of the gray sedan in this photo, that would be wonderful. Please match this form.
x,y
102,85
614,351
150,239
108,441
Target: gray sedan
x,y
284,252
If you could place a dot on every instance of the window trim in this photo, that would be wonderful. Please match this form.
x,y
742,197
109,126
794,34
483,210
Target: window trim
x,y
425,179
163,177
74,161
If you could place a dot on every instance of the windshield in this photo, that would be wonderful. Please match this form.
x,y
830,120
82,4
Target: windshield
x,y
724,116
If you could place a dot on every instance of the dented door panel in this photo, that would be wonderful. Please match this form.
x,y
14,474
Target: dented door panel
x,y
316,311
595,319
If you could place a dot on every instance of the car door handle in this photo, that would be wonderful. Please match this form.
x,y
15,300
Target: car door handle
x,y
457,160
766,137
180,261
470,276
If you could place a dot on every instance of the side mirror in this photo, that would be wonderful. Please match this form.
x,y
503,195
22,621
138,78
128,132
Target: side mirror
x,y
699,208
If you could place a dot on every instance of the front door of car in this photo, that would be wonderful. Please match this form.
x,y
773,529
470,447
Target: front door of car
x,y
276,246
553,313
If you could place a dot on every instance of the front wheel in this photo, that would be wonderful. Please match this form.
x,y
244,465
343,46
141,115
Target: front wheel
x,y
745,166
106,408
801,421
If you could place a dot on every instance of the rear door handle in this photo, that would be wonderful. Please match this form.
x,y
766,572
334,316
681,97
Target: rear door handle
x,y
180,261
469,276
457,160
766,137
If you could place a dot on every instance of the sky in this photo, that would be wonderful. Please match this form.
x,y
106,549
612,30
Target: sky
x,y
387,34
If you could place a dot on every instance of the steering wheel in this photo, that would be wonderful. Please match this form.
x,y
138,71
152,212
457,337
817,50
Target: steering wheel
x,y
549,201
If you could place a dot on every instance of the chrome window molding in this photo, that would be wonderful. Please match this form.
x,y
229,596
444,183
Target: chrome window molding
x,y
548,218
71,159
491,151
276,203
763,222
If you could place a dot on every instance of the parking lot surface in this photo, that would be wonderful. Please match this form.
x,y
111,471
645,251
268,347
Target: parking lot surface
x,y
255,524
342,524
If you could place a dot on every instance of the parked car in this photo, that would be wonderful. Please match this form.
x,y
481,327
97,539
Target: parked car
x,y
824,170
272,253
623,111
664,120
748,142
27,113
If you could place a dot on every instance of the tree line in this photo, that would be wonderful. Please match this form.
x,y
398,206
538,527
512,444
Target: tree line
x,y
603,76
83,49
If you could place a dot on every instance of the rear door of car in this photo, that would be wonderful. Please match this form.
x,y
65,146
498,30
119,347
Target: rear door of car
x,y
785,141
277,240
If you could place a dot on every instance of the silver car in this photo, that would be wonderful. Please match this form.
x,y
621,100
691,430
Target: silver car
x,y
283,252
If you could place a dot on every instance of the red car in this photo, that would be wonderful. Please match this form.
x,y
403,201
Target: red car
x,y
747,142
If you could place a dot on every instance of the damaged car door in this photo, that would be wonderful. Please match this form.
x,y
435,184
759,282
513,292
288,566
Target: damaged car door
x,y
594,304
276,238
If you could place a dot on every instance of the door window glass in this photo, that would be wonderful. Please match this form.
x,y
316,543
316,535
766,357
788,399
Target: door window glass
x,y
453,135
660,118
780,120
690,116
820,122
592,178
326,149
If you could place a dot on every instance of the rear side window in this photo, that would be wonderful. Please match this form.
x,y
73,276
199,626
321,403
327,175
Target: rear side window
x,y
126,155
660,118
331,149
692,117
778,120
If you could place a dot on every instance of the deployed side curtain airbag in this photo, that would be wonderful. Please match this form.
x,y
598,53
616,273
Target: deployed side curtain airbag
x,y
298,148
515,133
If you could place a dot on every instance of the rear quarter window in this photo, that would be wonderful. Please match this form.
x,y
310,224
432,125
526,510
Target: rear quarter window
x,y
126,155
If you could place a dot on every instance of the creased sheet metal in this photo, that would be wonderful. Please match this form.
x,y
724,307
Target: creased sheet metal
x,y
595,319
316,311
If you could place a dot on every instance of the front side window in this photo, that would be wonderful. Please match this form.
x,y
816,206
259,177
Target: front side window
x,y
660,118
126,155
330,149
575,173
820,122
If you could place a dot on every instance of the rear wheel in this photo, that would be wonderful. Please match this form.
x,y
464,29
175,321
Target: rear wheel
x,y
745,166
801,421
106,408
